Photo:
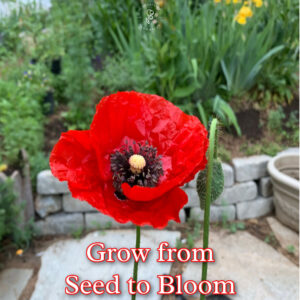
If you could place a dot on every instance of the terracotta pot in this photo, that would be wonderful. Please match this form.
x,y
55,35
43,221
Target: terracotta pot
x,y
284,172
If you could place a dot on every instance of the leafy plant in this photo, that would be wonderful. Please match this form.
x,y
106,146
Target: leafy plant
x,y
11,222
77,233
291,249
275,119
263,147
270,239
285,128
21,115
234,227
38,162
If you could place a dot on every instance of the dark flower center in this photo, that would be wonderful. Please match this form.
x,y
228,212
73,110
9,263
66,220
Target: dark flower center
x,y
142,167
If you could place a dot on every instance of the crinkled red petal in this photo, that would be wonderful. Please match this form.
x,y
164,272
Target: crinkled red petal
x,y
156,213
73,159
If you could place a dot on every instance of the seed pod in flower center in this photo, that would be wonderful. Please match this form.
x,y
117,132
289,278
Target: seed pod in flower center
x,y
141,166
137,163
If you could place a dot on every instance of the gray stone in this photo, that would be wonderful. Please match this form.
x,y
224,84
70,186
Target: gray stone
x,y
71,204
3,177
254,209
258,270
47,184
228,175
285,236
17,185
250,168
60,224
193,197
99,221
193,183
12,282
47,204
265,187
18,191
182,217
69,257
239,192
217,213
26,186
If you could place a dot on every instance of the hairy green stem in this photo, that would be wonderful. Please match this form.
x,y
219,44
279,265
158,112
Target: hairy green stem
x,y
136,263
211,152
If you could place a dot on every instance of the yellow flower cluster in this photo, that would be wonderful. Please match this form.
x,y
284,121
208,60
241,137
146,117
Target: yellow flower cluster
x,y
3,167
245,11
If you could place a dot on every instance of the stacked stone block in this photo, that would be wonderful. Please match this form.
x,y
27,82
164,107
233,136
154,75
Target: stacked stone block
x,y
247,191
247,194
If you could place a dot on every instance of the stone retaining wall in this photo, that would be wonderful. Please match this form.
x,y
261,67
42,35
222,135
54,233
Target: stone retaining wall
x,y
247,194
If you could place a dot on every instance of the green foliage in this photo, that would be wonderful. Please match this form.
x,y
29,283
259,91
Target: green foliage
x,y
285,128
275,119
11,224
234,227
224,154
280,78
263,147
291,249
38,162
77,233
219,108
21,118
198,56
270,239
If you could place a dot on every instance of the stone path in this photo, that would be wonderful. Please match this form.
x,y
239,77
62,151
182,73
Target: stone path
x,y
258,270
69,257
19,278
285,236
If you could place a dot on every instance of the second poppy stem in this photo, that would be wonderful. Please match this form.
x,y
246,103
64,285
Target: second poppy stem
x,y
211,154
136,263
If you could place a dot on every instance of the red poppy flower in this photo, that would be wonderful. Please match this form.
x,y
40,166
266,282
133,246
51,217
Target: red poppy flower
x,y
130,164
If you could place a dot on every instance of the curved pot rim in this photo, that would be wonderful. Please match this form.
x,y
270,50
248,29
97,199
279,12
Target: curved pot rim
x,y
277,175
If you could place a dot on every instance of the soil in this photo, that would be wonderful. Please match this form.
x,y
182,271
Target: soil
x,y
53,128
249,121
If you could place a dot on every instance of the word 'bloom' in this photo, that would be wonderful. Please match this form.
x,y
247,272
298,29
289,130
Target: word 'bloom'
x,y
130,164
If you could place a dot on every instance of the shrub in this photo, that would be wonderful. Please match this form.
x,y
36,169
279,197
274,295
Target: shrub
x,y
21,106
11,223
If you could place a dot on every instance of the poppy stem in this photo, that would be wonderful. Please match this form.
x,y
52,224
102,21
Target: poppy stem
x,y
136,263
211,153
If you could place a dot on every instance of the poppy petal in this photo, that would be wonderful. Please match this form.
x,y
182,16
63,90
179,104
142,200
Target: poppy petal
x,y
73,159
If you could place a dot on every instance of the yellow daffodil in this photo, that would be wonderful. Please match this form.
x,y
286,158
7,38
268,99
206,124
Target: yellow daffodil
x,y
228,1
3,167
241,19
236,1
258,3
246,12
217,1
19,252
